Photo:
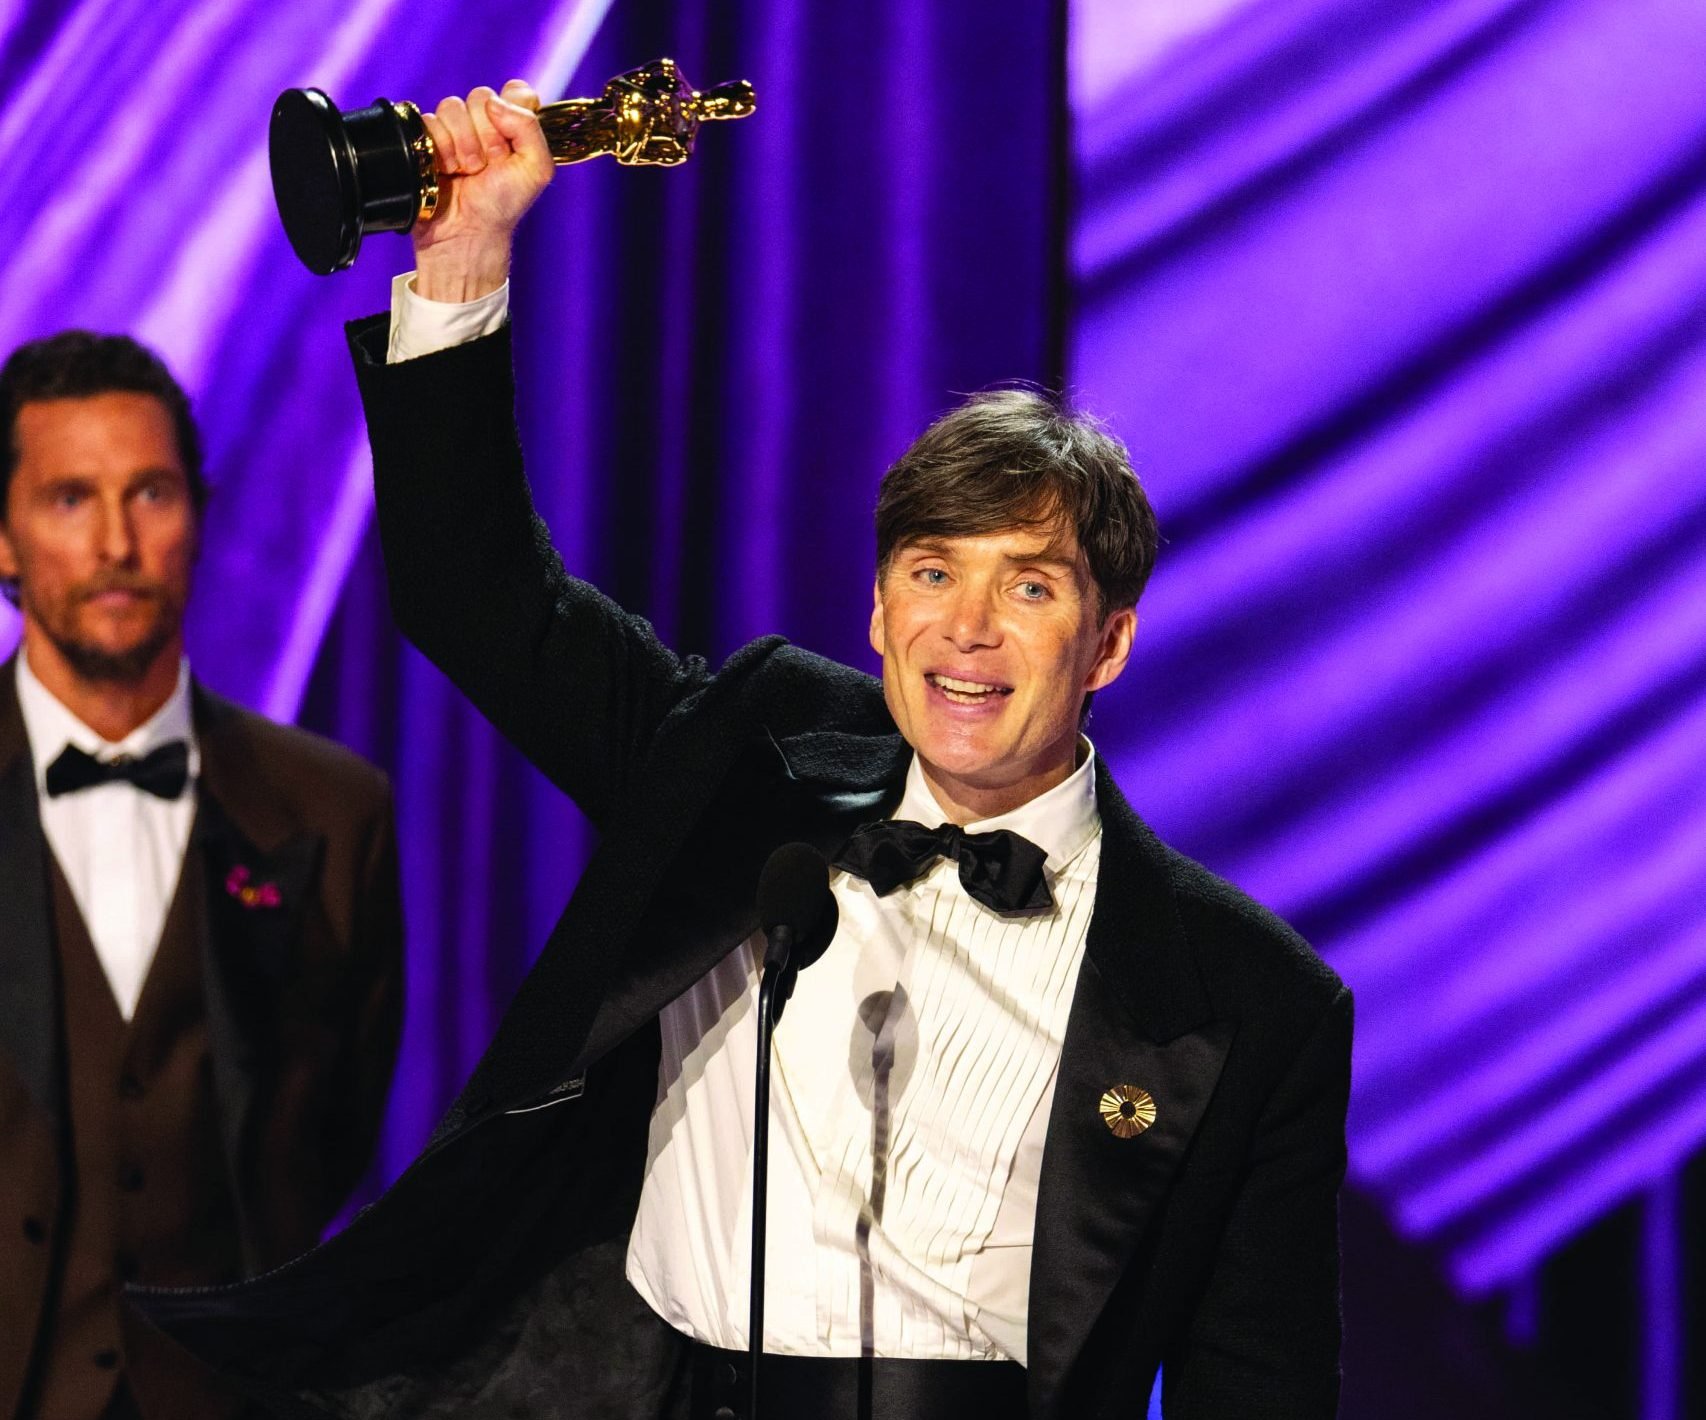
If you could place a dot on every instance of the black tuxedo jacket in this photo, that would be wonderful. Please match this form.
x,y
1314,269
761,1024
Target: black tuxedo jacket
x,y
303,1002
487,1282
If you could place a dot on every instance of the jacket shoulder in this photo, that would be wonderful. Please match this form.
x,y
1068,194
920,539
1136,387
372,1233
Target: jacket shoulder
x,y
1250,952
803,691
296,764
1246,956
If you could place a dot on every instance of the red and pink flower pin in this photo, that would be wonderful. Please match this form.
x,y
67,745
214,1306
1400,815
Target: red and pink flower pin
x,y
251,894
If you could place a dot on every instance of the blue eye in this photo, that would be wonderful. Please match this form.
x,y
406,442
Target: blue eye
x,y
934,576
1033,591
159,490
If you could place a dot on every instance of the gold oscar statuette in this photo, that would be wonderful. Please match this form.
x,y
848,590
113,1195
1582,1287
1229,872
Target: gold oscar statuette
x,y
337,176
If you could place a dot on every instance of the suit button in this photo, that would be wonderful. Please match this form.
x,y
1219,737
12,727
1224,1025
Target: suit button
x,y
129,1087
35,1230
130,1178
107,1359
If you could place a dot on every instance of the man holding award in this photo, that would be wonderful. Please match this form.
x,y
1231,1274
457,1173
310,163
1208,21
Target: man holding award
x,y
1055,1107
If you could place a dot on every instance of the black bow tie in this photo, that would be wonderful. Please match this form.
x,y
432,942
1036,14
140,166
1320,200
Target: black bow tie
x,y
1001,869
162,772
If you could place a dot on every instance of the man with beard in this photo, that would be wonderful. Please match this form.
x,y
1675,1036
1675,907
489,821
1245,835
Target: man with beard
x,y
201,952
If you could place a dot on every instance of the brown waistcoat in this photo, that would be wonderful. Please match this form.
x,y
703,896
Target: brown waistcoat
x,y
150,1199
247,1090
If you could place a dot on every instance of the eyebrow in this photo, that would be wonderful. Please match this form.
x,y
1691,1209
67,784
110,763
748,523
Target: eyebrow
x,y
150,473
58,482
1050,554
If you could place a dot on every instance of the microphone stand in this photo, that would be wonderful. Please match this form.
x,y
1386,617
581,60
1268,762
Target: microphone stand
x,y
776,956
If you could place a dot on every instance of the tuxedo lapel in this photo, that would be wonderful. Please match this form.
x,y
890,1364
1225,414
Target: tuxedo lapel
x,y
1139,1018
831,783
28,985
249,906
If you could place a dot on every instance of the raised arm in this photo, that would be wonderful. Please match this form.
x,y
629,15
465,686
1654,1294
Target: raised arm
x,y
579,685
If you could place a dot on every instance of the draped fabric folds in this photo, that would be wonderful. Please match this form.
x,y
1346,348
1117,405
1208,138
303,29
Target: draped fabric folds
x,y
1400,306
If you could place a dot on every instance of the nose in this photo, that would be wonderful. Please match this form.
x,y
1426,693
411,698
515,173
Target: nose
x,y
117,533
971,622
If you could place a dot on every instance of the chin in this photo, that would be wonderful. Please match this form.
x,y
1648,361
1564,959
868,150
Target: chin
x,y
125,661
978,771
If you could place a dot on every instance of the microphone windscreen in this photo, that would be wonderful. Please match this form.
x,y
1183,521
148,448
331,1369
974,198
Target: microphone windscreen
x,y
793,892
793,889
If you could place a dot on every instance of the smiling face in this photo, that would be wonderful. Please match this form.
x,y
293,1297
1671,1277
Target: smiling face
x,y
99,533
990,644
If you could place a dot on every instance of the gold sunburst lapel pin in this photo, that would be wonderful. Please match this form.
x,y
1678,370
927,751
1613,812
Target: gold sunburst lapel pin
x,y
1127,1110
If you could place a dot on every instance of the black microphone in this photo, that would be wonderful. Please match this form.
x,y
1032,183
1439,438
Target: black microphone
x,y
798,913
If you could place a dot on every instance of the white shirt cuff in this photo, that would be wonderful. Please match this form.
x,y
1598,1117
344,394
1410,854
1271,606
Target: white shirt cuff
x,y
420,327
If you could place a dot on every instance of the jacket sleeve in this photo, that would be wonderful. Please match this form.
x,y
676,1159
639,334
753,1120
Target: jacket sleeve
x,y
372,1009
573,681
1263,1342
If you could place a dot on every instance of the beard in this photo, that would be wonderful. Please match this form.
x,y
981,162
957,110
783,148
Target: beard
x,y
123,667
107,665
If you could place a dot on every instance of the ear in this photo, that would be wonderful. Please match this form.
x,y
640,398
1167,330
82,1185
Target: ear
x,y
877,617
8,558
1113,649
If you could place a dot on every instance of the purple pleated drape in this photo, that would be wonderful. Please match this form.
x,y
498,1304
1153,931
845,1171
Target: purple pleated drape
x,y
1400,306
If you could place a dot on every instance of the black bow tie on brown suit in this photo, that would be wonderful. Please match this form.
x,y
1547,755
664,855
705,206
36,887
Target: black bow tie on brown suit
x,y
162,772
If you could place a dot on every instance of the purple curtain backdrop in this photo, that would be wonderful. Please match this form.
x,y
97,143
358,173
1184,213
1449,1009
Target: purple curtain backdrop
x,y
1400,306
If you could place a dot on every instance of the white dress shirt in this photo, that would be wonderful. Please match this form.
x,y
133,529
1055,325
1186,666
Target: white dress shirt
x,y
911,1090
910,1096
121,849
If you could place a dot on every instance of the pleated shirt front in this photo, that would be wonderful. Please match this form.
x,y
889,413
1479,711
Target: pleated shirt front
x,y
911,1092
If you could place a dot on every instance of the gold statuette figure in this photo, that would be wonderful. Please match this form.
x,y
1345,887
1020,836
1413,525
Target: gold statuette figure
x,y
646,117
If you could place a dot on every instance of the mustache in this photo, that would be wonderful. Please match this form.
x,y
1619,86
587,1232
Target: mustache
x,y
118,582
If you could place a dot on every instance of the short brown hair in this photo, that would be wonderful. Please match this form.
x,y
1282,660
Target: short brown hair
x,y
1009,458
79,364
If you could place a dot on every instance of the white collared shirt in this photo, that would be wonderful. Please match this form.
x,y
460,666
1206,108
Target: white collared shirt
x,y
929,1034
912,1085
121,849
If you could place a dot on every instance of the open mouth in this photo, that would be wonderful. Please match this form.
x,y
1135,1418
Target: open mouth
x,y
967,692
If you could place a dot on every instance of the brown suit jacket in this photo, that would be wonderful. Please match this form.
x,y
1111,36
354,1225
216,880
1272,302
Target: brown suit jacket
x,y
303,1001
